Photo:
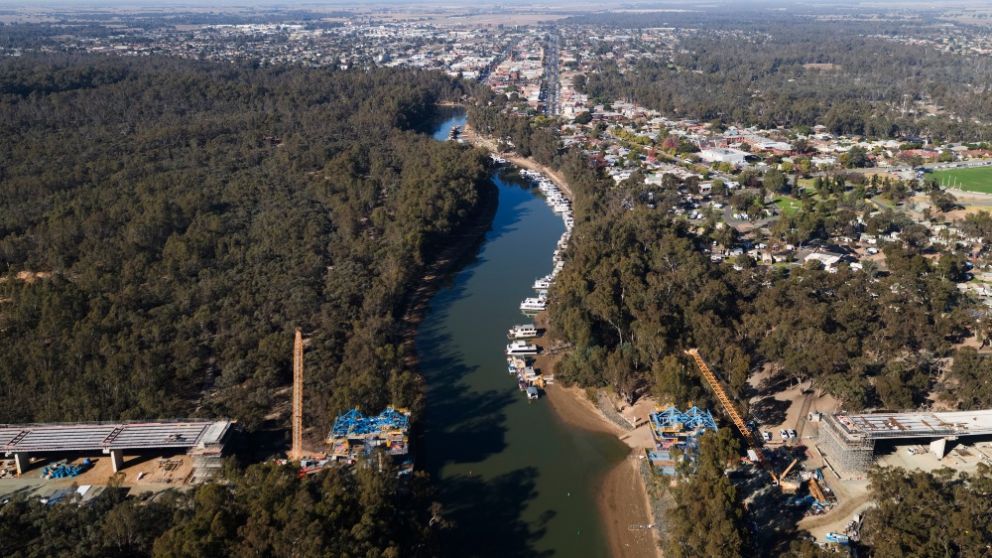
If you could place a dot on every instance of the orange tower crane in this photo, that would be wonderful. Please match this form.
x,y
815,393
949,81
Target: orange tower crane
x,y
296,453
730,408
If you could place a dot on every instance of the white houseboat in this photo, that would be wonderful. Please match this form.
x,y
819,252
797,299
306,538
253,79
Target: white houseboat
x,y
520,348
522,331
534,304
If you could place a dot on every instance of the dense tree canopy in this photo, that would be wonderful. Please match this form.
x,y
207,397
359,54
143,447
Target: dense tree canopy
x,y
929,514
191,215
708,519
267,511
772,67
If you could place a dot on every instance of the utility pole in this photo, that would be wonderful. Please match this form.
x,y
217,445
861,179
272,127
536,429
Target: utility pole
x,y
296,453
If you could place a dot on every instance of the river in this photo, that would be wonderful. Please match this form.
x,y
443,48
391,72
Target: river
x,y
514,479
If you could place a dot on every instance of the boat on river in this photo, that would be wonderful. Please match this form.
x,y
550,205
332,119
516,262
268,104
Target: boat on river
x,y
522,331
521,348
534,304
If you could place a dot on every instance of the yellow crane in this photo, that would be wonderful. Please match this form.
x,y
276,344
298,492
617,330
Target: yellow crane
x,y
731,410
749,436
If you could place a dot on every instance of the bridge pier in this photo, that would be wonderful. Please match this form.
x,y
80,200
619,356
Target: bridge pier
x,y
117,459
22,461
939,447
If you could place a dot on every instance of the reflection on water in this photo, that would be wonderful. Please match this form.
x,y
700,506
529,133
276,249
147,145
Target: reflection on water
x,y
514,479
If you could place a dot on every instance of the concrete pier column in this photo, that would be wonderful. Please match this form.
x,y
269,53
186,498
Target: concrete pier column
x,y
22,461
117,459
939,447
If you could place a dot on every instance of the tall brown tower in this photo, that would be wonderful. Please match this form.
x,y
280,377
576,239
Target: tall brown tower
x,y
296,453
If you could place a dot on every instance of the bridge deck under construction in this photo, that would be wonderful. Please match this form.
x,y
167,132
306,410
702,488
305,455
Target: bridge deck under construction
x,y
878,426
848,440
82,437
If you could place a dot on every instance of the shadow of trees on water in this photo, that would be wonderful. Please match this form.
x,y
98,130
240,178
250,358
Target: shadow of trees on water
x,y
488,522
464,424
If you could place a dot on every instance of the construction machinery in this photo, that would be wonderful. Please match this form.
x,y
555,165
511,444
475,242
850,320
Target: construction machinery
x,y
817,492
788,486
728,405
735,416
296,453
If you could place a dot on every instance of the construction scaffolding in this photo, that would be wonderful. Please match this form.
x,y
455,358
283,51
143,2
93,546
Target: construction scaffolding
x,y
846,452
673,429
355,434
296,453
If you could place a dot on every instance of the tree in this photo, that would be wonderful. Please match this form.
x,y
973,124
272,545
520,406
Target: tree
x,y
855,158
707,520
929,514
674,382
775,181
971,370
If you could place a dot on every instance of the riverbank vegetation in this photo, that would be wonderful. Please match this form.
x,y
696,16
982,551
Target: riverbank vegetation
x,y
639,288
175,220
164,225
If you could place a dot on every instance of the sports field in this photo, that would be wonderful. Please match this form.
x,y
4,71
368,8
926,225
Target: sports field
x,y
978,179
788,205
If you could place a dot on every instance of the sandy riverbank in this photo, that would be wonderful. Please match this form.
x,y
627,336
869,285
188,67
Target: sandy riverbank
x,y
523,162
623,499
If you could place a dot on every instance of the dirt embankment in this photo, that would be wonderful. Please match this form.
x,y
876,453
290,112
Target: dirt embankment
x,y
489,144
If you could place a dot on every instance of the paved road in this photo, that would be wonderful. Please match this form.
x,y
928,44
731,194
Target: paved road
x,y
551,85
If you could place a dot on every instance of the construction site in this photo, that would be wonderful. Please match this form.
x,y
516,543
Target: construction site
x,y
676,437
812,460
151,455
786,485
849,440
159,454
354,436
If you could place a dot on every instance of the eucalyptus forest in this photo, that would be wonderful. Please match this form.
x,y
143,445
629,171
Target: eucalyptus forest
x,y
167,224
177,220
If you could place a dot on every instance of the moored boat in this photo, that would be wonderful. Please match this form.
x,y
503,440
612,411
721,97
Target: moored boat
x,y
537,304
522,331
520,348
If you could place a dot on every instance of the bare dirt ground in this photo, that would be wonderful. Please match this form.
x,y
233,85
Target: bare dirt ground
x,y
157,473
973,202
852,497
